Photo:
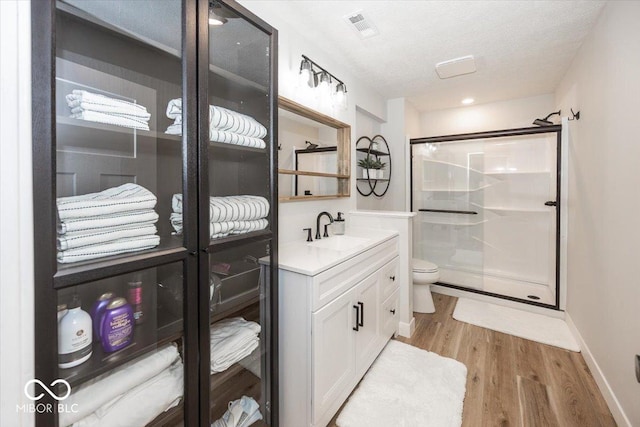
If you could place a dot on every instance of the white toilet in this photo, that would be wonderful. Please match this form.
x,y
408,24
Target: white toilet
x,y
424,274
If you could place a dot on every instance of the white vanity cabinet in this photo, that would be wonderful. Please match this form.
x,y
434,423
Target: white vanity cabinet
x,y
332,326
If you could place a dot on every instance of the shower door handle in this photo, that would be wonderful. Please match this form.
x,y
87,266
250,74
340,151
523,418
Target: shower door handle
x,y
551,203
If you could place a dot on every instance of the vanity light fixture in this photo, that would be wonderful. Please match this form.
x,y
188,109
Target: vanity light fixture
x,y
321,81
468,101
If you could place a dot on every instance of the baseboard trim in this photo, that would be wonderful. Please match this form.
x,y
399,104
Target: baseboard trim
x,y
598,376
407,329
459,293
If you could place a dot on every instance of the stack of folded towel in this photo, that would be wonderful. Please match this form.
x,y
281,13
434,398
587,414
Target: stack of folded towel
x,y
114,221
232,340
226,126
98,108
240,413
131,395
229,214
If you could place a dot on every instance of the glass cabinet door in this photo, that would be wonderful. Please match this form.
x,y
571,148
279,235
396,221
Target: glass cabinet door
x,y
238,218
120,239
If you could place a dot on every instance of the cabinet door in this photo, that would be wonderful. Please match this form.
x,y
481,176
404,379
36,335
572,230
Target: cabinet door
x,y
389,317
237,214
367,335
112,258
389,279
333,358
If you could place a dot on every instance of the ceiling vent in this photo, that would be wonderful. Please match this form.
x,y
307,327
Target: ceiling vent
x,y
456,67
363,26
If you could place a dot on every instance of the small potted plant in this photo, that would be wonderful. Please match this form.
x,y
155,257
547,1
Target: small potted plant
x,y
368,167
379,166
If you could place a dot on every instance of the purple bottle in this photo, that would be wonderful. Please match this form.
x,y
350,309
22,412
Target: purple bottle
x,y
116,326
97,310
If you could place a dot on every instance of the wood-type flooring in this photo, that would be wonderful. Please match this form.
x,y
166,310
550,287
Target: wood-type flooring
x,y
512,381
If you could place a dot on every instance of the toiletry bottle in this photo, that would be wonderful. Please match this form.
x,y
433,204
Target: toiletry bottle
x,y
338,224
97,310
62,310
117,325
74,336
134,296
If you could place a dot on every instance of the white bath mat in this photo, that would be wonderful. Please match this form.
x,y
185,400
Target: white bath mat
x,y
523,324
407,387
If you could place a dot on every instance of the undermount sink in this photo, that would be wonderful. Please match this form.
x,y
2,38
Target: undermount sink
x,y
339,243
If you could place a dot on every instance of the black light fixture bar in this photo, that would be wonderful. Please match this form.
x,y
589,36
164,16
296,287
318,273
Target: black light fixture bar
x,y
313,63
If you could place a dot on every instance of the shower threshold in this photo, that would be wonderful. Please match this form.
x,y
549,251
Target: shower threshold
x,y
499,286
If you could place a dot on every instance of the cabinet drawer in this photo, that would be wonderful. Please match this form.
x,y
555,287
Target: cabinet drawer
x,y
389,315
389,279
330,284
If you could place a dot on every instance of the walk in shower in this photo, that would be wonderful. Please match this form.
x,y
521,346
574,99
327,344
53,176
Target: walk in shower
x,y
487,211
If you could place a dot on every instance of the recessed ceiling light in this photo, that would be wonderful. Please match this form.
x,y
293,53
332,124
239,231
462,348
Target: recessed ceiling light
x,y
468,101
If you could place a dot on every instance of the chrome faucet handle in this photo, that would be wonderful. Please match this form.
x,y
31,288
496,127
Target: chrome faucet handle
x,y
326,232
308,230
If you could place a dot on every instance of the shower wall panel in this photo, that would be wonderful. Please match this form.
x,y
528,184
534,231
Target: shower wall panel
x,y
482,216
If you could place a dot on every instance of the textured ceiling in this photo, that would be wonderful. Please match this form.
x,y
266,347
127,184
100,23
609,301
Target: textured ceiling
x,y
522,48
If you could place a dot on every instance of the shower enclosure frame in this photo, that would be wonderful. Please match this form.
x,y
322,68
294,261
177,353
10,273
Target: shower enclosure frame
x,y
557,129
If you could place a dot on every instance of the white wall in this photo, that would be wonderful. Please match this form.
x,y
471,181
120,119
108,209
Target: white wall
x,y
16,212
370,126
603,269
294,216
510,114
403,122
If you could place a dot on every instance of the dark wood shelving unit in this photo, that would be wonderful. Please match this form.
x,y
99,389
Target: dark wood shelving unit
x,y
101,362
73,274
236,239
149,62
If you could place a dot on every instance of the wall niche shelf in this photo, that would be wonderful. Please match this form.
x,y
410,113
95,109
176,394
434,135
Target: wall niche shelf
x,y
376,149
316,177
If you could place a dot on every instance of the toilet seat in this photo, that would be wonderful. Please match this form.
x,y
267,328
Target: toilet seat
x,y
423,266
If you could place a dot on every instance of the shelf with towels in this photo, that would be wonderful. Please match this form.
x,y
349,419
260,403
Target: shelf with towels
x,y
90,126
147,337
170,249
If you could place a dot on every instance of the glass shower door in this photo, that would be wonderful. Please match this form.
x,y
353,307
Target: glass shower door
x,y
487,215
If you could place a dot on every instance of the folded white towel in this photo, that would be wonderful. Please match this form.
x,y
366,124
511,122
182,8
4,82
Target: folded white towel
x,y
223,229
174,109
141,404
174,129
223,137
226,137
125,198
101,390
79,96
221,119
116,247
94,237
106,222
135,113
232,340
230,208
122,120
232,121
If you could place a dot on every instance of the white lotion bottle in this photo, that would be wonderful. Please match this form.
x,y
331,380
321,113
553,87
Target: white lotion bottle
x,y
75,336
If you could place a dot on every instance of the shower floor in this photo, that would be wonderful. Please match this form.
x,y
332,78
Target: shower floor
x,y
498,285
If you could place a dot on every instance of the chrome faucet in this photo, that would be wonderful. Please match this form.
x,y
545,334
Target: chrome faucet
x,y
320,215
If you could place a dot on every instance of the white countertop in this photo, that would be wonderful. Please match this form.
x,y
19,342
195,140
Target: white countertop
x,y
300,257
